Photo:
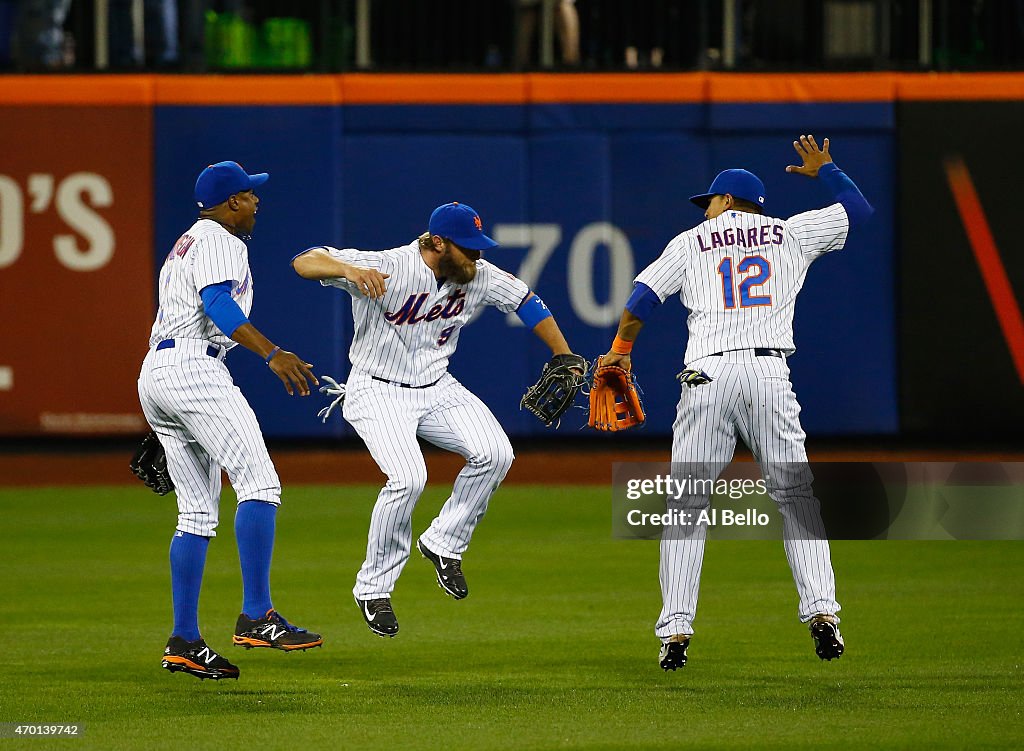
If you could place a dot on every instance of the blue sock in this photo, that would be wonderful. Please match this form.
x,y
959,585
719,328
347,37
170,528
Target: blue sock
x,y
254,532
188,559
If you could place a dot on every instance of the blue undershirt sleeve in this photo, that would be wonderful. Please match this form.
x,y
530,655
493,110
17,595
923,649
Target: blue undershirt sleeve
x,y
642,301
858,210
222,310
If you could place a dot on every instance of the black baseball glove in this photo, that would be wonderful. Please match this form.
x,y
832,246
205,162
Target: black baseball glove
x,y
150,465
560,381
693,378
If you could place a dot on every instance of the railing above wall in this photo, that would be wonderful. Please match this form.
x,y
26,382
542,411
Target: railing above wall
x,y
523,35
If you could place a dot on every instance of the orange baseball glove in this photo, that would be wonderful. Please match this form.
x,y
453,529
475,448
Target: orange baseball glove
x,y
614,401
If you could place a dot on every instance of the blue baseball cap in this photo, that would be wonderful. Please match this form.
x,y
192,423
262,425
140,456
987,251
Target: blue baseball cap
x,y
461,224
218,182
736,182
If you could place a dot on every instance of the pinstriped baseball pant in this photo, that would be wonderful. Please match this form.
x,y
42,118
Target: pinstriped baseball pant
x,y
204,424
750,397
389,418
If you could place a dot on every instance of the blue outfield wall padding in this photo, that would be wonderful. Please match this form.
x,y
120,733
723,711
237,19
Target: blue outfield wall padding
x,y
391,183
452,118
805,117
581,197
561,117
460,118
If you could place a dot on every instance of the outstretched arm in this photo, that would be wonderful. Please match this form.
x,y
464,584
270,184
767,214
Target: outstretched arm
x,y
229,318
289,367
549,333
317,263
638,307
535,314
817,162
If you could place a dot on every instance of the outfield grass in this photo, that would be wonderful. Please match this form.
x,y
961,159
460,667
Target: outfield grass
x,y
553,649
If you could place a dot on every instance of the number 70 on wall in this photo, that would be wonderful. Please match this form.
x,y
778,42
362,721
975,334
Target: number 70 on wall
x,y
541,241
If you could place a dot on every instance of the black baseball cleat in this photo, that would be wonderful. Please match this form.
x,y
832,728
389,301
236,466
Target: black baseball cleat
x,y
273,631
195,658
449,572
379,616
673,652
828,642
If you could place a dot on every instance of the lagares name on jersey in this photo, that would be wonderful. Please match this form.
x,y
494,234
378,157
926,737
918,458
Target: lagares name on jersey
x,y
752,237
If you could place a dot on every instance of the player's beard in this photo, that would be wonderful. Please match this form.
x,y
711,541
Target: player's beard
x,y
459,271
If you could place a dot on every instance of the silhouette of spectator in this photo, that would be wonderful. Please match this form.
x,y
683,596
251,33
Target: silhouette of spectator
x,y
567,24
160,32
39,43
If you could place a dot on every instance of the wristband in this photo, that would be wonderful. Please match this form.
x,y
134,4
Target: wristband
x,y
532,311
273,352
621,347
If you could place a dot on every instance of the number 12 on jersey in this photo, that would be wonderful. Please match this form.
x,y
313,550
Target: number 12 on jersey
x,y
746,265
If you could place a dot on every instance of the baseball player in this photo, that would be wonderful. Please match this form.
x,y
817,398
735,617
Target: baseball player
x,y
738,275
409,305
205,424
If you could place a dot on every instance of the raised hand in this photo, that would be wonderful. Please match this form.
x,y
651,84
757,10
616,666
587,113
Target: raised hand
x,y
813,157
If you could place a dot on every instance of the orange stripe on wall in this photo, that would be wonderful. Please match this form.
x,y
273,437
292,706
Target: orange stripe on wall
x,y
805,87
681,88
76,89
967,86
427,88
505,88
241,90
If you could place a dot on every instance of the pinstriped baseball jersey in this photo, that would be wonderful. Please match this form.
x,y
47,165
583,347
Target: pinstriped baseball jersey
x,y
186,391
409,334
206,254
399,391
738,275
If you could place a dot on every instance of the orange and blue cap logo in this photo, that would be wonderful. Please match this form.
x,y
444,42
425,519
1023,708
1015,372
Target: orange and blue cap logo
x,y
478,223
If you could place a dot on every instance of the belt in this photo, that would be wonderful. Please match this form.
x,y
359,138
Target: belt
x,y
758,352
212,350
407,385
